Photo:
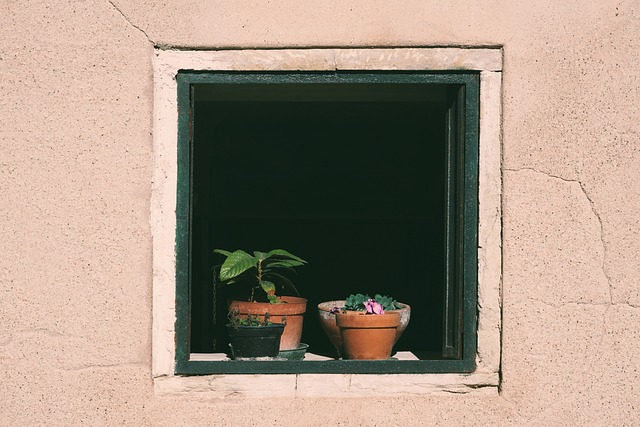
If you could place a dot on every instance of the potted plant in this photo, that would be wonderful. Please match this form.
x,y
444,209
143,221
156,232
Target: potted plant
x,y
361,304
263,273
253,336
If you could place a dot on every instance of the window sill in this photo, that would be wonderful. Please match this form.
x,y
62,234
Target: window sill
x,y
401,363
322,385
219,357
326,385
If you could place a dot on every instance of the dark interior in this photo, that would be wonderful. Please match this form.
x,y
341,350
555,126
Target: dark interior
x,y
349,177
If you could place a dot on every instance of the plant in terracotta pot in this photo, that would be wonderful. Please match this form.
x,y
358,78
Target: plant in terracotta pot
x,y
363,305
368,326
253,336
263,272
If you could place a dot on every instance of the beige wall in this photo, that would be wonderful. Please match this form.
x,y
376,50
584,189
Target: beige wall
x,y
76,101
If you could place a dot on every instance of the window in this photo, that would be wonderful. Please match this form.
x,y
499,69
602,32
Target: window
x,y
371,177
383,89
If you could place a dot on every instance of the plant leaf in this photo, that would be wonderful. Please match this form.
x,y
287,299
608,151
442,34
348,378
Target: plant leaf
x,y
387,302
283,253
286,281
284,263
222,252
236,263
356,302
260,255
268,287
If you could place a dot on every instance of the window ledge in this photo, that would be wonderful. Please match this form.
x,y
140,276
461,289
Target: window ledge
x,y
326,385
220,357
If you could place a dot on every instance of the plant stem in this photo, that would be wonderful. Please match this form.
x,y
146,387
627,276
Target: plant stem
x,y
259,280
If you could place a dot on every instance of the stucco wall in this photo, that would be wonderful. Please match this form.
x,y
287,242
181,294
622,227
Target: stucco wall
x,y
76,157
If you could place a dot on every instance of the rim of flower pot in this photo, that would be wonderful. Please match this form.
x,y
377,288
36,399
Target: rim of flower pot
x,y
287,306
358,319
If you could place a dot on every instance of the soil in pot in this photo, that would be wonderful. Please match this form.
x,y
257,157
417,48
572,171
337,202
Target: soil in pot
x,y
288,310
367,336
255,341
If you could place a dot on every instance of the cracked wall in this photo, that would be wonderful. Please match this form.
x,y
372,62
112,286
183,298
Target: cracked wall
x,y
75,181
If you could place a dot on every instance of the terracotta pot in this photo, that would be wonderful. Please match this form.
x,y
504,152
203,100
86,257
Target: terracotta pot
x,y
328,322
368,336
288,310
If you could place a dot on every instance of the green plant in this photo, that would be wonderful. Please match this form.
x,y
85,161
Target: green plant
x,y
377,305
262,268
236,319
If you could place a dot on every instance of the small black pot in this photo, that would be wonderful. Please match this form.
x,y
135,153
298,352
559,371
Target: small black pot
x,y
255,341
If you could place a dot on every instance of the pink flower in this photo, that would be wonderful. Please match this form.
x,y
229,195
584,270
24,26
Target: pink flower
x,y
373,307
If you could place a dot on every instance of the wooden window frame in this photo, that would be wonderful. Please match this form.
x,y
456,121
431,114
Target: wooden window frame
x,y
462,225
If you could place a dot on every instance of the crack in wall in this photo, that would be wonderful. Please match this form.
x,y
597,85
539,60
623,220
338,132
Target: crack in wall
x,y
131,23
593,211
583,303
604,245
105,366
567,303
603,332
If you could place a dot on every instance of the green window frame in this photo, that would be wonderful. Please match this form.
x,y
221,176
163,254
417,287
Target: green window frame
x,y
461,224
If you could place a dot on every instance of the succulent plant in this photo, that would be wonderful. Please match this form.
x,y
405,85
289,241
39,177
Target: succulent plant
x,y
377,305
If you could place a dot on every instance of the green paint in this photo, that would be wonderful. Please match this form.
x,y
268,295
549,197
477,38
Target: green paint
x,y
462,211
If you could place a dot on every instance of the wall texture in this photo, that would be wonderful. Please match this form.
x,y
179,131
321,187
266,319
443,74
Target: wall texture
x,y
75,184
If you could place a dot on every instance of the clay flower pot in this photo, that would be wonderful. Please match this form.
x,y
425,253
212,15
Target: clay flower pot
x,y
288,310
328,322
368,336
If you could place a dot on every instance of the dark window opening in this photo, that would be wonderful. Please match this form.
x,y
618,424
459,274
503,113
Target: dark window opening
x,y
365,176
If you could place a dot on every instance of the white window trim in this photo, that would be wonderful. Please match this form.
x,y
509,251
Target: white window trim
x,y
167,63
